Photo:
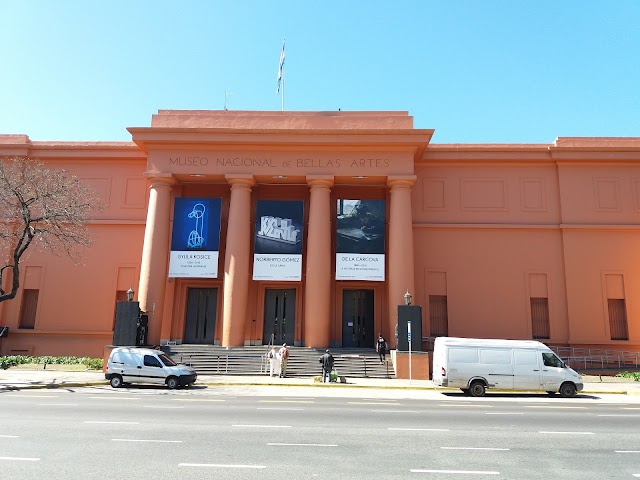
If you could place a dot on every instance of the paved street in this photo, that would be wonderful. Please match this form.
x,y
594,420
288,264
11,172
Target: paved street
x,y
248,431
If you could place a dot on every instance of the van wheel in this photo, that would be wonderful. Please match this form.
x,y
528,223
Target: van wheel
x,y
172,383
116,381
567,390
477,389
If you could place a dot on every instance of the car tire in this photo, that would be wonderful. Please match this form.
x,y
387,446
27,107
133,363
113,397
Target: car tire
x,y
116,381
172,383
568,390
477,389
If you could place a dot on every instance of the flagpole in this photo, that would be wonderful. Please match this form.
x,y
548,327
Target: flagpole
x,y
283,88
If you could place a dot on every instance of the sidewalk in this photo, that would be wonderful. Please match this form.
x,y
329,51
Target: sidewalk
x,y
18,379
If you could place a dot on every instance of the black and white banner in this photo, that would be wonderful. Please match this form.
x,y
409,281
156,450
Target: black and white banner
x,y
278,240
360,240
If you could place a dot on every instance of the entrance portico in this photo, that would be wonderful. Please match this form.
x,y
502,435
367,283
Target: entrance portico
x,y
247,157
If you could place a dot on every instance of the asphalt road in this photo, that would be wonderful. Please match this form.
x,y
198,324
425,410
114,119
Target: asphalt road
x,y
250,432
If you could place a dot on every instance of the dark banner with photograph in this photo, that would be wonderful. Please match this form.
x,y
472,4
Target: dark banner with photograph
x,y
278,240
360,240
195,240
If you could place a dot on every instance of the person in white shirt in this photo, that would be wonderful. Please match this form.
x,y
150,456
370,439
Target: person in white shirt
x,y
274,362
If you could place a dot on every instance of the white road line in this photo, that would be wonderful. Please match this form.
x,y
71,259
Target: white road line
x,y
198,400
420,429
636,474
9,436
32,396
618,415
627,451
374,403
21,459
142,440
117,423
464,405
303,444
219,465
57,404
552,406
263,426
470,472
474,448
503,413
396,411
286,401
569,433
159,406
285,409
106,397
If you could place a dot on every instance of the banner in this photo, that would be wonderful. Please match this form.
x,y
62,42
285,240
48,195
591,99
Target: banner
x,y
278,240
360,242
195,240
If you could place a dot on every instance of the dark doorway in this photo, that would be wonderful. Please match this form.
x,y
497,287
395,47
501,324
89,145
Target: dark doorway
x,y
279,315
357,318
202,306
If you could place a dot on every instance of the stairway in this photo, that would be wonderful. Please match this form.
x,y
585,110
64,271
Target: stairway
x,y
303,362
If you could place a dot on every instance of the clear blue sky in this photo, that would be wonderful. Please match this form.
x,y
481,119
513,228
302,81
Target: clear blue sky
x,y
506,71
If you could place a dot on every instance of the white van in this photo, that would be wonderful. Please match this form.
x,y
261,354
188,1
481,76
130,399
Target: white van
x,y
474,364
145,365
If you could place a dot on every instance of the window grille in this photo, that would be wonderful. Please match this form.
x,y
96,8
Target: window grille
x,y
29,308
438,315
540,328
618,319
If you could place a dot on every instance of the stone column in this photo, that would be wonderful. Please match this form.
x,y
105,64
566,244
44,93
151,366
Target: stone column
x,y
317,299
237,260
401,266
155,253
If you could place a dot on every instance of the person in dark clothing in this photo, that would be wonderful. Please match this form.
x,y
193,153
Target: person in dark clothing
x,y
327,365
381,347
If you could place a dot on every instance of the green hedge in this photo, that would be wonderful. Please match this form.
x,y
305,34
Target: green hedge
x,y
10,361
634,375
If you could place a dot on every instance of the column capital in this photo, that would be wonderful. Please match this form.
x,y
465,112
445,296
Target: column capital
x,y
320,180
401,181
240,180
160,178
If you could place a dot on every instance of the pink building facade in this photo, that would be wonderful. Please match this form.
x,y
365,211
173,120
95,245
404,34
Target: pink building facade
x,y
513,241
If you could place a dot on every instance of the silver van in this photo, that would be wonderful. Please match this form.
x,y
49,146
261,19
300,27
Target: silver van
x,y
145,365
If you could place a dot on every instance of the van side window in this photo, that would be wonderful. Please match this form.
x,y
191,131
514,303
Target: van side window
x,y
525,357
550,360
151,361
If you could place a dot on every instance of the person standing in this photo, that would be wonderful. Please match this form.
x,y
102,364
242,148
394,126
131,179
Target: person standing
x,y
381,347
283,354
272,356
327,365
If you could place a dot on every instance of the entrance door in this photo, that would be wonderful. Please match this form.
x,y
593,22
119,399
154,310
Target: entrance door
x,y
357,318
279,315
202,305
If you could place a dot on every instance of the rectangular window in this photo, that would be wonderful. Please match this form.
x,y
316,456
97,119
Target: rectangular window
x,y
29,307
540,318
438,315
618,319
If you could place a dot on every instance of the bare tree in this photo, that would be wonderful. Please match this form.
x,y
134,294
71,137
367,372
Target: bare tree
x,y
40,208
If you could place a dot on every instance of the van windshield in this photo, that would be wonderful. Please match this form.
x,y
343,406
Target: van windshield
x,y
167,361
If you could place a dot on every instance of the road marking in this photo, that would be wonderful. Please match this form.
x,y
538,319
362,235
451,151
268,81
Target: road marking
x,y
57,404
33,396
286,401
464,405
303,444
159,406
617,415
419,429
395,411
503,413
627,451
631,408
198,400
636,474
550,406
374,403
106,397
470,472
219,465
569,433
9,436
285,409
474,448
263,426
21,459
118,423
142,440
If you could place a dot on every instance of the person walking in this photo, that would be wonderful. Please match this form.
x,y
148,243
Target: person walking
x,y
327,365
272,356
284,358
381,347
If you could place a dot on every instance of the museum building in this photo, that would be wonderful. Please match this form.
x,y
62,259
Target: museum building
x,y
244,228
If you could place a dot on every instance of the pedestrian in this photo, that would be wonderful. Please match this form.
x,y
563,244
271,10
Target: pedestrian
x,y
381,347
272,356
327,366
284,358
